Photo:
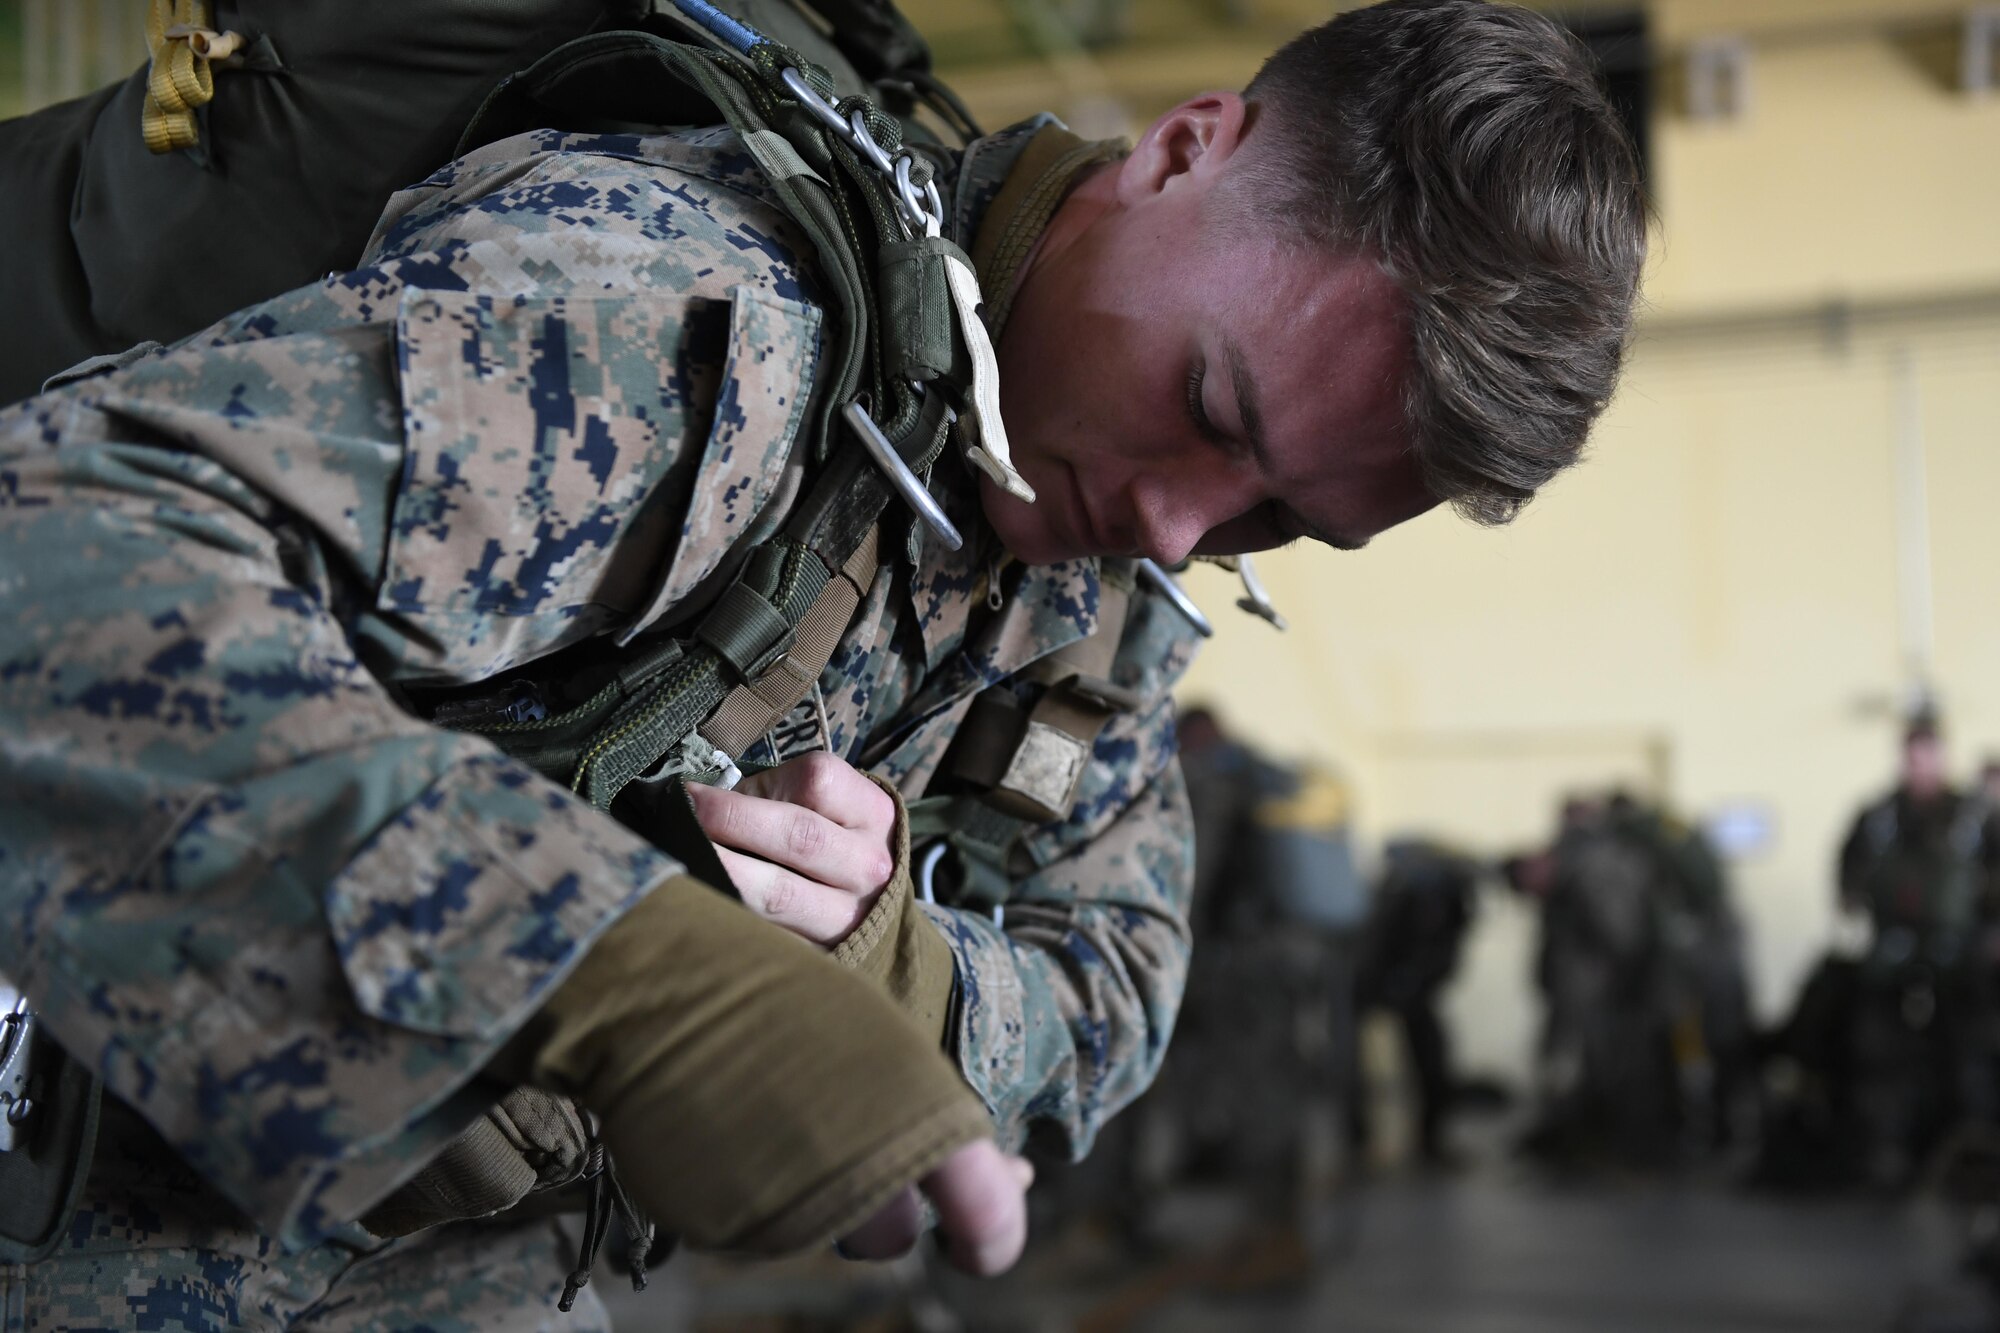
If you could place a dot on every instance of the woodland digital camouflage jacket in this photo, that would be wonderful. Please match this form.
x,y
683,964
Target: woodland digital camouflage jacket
x,y
289,920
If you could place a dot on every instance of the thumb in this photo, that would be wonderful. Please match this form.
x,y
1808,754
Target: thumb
x,y
981,1198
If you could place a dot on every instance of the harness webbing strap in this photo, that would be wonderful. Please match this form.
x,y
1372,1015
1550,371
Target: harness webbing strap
x,y
749,710
745,628
760,648
1091,656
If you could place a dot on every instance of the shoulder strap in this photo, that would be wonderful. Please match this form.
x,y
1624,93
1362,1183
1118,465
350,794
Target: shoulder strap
x,y
698,703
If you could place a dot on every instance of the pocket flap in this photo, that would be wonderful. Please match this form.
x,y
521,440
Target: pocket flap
x,y
773,352
461,911
550,463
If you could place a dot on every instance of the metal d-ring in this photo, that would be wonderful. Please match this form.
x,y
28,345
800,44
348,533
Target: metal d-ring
x,y
927,882
921,209
927,872
1163,583
899,474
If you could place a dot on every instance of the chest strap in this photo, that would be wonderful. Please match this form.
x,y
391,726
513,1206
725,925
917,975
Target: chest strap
x,y
1013,766
750,709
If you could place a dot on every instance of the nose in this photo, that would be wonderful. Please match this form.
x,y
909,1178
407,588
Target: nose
x,y
1171,517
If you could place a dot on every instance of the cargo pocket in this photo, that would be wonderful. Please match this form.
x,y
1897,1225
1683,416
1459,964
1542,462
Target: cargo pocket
x,y
561,451
461,911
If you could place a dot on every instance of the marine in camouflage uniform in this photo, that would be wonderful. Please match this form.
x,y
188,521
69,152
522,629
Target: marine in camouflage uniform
x,y
1922,1045
289,920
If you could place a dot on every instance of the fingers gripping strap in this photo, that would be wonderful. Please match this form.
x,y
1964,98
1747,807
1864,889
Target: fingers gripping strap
x,y
749,710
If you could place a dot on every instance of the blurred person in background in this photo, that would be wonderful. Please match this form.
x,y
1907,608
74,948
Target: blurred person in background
x,y
1251,1090
1914,865
1409,952
1640,962
1714,1035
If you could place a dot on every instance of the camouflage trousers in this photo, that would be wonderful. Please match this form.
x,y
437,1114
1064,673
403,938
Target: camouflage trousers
x,y
153,1249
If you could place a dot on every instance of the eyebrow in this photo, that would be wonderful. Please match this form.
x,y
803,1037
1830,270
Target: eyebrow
x,y
1244,384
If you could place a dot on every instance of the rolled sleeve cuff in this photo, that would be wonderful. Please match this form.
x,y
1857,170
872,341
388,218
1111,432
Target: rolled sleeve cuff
x,y
897,946
988,1017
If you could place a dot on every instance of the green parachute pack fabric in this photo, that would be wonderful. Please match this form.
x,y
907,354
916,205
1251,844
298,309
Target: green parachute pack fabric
x,y
327,110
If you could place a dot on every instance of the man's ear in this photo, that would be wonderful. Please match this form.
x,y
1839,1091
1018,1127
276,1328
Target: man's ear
x,y
1186,145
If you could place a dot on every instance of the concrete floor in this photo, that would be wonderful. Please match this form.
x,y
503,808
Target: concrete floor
x,y
1496,1256
1484,1252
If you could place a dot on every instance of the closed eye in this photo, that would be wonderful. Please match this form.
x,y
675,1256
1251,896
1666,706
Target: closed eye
x,y
1197,410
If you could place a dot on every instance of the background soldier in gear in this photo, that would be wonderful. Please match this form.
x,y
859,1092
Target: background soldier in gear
x,y
1252,1091
526,449
1914,863
1640,960
1416,930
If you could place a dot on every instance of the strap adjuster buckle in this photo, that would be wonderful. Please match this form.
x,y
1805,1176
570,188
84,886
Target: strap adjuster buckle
x,y
17,1040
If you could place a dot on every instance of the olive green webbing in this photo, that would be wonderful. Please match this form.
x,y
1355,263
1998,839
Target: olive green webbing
x,y
752,707
636,735
722,684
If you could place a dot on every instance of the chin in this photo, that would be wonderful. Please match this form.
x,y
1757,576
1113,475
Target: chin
x,y
1024,529
1018,526
1033,547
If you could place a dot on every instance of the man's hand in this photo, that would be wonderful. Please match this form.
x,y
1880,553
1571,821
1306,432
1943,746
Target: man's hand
x,y
807,843
982,1214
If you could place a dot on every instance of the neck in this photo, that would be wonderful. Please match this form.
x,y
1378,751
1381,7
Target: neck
x,y
1092,196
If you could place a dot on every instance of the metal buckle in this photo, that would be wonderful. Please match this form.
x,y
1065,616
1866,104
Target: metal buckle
x,y
1163,583
899,474
17,1037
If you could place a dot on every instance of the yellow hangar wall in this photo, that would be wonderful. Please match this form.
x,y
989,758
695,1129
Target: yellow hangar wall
x,y
1711,607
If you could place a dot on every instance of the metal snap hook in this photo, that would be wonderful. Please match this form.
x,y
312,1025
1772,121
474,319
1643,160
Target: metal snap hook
x,y
925,209
899,474
1163,583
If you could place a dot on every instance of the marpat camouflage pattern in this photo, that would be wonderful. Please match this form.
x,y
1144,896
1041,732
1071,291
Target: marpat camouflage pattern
x,y
288,920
